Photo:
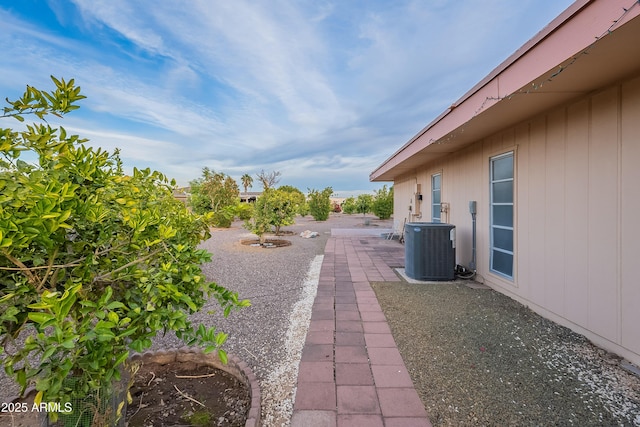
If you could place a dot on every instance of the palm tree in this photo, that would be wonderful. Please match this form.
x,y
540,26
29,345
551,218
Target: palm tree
x,y
247,182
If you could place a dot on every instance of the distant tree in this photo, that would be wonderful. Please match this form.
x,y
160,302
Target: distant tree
x,y
269,180
197,200
383,203
221,189
299,198
349,206
247,182
320,203
364,203
274,208
283,206
222,193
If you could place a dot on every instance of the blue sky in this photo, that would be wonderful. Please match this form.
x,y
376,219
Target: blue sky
x,y
322,91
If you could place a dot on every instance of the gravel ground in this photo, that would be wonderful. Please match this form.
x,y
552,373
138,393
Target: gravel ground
x,y
281,284
475,356
479,358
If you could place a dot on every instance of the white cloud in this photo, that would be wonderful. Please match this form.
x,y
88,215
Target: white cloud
x,y
323,90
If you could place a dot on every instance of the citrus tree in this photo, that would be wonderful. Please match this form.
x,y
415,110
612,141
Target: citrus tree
x,y
199,202
93,262
364,203
274,208
349,205
300,200
215,192
320,203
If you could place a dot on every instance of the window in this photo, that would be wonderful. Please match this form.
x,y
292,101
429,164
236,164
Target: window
x,y
501,258
436,183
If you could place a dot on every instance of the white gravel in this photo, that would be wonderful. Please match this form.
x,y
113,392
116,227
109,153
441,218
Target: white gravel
x,y
278,390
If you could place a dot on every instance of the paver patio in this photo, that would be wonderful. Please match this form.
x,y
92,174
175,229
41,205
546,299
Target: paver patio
x,y
351,373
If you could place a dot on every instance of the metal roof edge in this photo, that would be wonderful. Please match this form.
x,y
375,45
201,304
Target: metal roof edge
x,y
545,32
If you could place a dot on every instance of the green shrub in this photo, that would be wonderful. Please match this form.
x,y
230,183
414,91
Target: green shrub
x,y
364,203
93,262
275,208
197,201
349,206
299,199
224,217
320,203
244,211
382,206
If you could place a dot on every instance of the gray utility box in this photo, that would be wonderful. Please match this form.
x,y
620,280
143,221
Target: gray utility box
x,y
430,251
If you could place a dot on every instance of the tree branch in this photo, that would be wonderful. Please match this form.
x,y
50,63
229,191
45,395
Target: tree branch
x,y
127,265
33,279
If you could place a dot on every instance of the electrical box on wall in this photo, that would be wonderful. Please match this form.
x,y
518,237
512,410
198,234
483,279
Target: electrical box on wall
x,y
418,199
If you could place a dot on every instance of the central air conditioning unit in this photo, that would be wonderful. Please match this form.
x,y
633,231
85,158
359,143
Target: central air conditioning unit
x,y
430,251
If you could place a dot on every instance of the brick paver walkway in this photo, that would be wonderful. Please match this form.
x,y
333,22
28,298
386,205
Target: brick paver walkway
x,y
351,373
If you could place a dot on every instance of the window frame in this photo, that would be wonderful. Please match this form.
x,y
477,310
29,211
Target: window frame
x,y
493,226
437,219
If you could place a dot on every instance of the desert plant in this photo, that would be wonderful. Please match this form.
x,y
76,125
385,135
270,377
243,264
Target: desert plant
x,y
382,206
199,202
244,211
220,188
349,206
320,203
299,199
275,208
364,202
93,262
224,217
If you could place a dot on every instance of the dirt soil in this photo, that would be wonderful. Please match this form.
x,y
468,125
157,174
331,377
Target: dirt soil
x,y
161,398
268,243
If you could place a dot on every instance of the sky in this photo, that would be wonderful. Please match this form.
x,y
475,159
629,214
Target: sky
x,y
322,91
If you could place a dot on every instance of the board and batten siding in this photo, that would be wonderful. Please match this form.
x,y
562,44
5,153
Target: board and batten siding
x,y
577,213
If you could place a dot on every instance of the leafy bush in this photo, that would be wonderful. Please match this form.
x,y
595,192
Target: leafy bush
x,y
320,203
303,209
298,197
213,192
93,262
224,217
244,211
199,202
364,203
382,206
349,206
275,208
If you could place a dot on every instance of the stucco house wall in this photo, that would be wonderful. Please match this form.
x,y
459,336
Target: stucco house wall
x,y
576,158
